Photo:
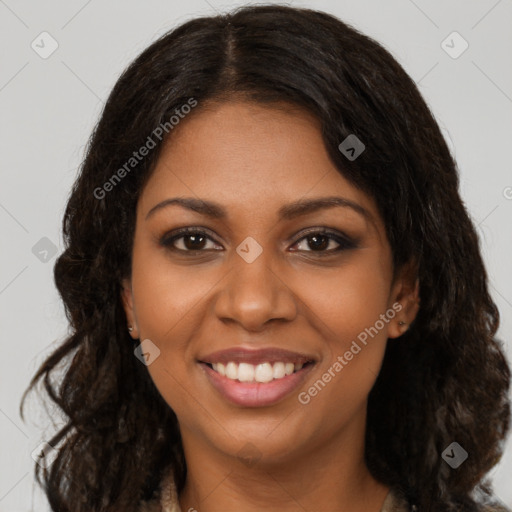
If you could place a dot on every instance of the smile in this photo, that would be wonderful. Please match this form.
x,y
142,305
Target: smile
x,y
263,372
256,378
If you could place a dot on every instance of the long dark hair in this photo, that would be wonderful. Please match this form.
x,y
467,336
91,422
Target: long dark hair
x,y
445,380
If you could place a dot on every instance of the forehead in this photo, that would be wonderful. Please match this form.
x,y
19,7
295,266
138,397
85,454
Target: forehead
x,y
250,157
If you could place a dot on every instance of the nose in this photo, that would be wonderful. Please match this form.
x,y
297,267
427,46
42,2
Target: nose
x,y
253,294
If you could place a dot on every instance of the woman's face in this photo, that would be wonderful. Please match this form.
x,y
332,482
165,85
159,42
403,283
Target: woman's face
x,y
260,290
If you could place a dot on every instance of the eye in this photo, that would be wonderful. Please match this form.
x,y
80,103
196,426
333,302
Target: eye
x,y
322,241
319,240
187,240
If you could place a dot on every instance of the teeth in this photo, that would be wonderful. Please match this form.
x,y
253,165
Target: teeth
x,y
264,372
245,372
220,368
231,371
279,371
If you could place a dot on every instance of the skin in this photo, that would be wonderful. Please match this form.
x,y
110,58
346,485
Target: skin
x,y
252,160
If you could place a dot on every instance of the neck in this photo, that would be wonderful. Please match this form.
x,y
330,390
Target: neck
x,y
330,476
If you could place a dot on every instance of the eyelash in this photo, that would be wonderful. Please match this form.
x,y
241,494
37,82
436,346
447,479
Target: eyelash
x,y
343,241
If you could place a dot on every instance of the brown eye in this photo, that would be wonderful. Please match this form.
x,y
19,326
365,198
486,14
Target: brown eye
x,y
321,241
318,242
193,242
188,240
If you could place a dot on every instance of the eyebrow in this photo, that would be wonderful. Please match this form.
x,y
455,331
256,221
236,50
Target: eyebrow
x,y
287,212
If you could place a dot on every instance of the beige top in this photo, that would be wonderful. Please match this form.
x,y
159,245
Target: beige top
x,y
168,501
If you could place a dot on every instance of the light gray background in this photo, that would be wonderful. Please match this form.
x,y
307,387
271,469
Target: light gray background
x,y
48,108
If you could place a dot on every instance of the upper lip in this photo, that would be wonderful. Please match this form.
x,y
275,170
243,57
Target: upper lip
x,y
256,356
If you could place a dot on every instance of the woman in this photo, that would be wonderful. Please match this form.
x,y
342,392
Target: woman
x,y
276,294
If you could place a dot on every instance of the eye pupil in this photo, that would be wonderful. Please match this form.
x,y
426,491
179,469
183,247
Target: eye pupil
x,y
197,242
316,244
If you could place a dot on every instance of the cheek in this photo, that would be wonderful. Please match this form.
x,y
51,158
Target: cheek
x,y
349,300
348,305
167,302
166,296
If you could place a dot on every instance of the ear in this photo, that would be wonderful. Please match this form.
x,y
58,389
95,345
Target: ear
x,y
404,299
127,299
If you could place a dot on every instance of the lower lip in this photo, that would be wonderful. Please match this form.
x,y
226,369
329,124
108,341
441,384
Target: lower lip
x,y
255,394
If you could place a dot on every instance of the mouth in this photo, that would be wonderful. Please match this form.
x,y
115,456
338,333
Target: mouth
x,y
262,373
256,378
